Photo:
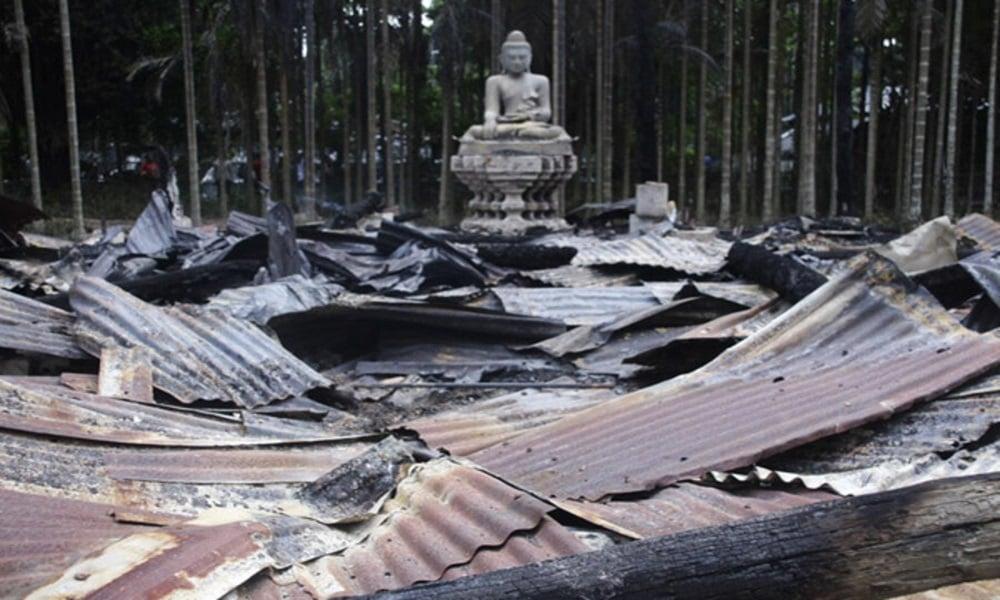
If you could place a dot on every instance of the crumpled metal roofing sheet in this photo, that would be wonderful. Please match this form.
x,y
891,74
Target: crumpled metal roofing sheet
x,y
863,346
41,536
59,411
576,306
207,355
31,326
887,475
693,257
688,506
178,483
745,294
464,430
573,276
261,303
442,516
204,558
981,228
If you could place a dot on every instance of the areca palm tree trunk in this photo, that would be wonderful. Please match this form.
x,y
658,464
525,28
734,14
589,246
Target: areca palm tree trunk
x,y
609,78
444,191
920,119
702,109
286,139
938,149
600,108
956,58
309,183
725,199
875,106
262,113
71,126
745,113
991,115
843,200
190,117
807,113
682,132
21,31
496,33
370,78
770,116
387,126
558,81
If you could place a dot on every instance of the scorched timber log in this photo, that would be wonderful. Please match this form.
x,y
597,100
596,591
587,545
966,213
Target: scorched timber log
x,y
876,546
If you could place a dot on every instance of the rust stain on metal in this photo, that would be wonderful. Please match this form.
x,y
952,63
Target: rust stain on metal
x,y
42,536
56,410
126,374
865,345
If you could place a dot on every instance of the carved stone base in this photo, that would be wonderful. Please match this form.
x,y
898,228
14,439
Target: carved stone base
x,y
513,185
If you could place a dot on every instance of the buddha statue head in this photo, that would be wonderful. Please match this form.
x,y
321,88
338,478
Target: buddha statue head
x,y
515,54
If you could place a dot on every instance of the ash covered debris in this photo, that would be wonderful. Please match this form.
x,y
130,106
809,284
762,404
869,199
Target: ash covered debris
x,y
272,409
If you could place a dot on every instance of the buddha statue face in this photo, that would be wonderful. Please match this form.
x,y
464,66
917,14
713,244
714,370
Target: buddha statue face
x,y
515,59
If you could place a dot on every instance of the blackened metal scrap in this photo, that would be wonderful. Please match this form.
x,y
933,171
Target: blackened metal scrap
x,y
867,344
793,280
283,255
242,224
31,326
694,257
354,489
207,355
153,233
576,306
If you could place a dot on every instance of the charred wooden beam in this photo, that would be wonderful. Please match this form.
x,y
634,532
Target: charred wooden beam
x,y
793,280
876,546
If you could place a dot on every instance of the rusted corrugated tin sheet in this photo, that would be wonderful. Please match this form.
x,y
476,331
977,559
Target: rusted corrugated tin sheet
x,y
576,306
207,355
180,483
865,345
693,257
688,506
205,558
981,228
30,326
41,536
59,411
463,431
442,516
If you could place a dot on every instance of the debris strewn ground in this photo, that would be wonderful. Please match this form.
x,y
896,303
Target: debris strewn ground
x,y
263,409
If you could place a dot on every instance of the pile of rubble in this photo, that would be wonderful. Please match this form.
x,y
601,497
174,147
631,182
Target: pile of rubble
x,y
266,410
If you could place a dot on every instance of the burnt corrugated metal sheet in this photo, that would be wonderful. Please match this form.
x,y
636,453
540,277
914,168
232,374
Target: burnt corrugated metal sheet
x,y
30,326
981,228
744,294
205,558
261,303
573,276
442,516
887,475
207,355
463,431
865,345
41,536
688,506
58,411
693,257
180,483
576,306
